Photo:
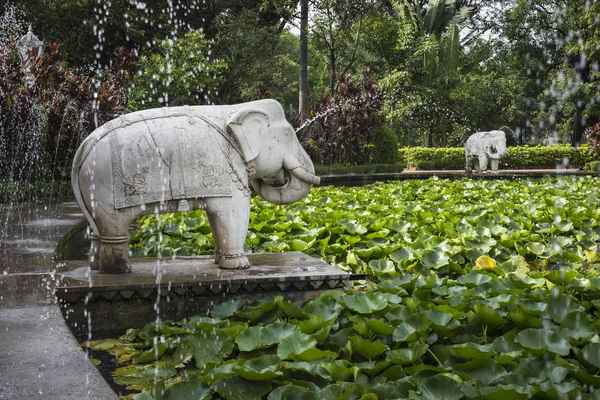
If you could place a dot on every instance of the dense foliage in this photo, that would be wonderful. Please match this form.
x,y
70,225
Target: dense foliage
x,y
448,68
413,337
485,289
179,74
47,110
346,125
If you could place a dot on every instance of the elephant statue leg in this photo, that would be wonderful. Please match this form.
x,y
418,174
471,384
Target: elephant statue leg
x,y
228,218
494,165
113,256
213,221
469,165
483,162
94,251
477,163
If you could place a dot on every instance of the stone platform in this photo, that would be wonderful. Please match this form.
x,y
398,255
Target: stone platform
x,y
97,306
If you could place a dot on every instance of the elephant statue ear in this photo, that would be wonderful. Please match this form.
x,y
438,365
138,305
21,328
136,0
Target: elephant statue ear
x,y
246,126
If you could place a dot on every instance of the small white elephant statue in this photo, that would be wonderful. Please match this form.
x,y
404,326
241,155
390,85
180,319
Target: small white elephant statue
x,y
181,158
482,147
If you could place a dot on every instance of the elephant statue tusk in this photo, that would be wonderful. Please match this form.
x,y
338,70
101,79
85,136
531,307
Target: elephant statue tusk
x,y
305,176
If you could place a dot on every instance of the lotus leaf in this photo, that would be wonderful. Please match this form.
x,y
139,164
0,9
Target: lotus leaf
x,y
407,355
484,370
469,350
259,369
367,348
438,387
542,340
191,389
365,303
295,343
261,337
292,392
238,388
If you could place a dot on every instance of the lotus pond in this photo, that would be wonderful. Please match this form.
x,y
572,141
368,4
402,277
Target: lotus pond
x,y
479,289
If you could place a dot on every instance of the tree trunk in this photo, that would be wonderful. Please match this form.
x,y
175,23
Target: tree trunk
x,y
303,97
578,127
583,71
332,74
430,135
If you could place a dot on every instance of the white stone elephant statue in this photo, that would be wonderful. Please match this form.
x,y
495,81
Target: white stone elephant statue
x,y
181,158
482,147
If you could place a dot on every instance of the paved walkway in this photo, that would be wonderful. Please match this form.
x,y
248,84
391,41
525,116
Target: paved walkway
x,y
39,357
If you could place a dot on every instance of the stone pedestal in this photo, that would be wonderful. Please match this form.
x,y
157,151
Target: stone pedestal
x,y
97,306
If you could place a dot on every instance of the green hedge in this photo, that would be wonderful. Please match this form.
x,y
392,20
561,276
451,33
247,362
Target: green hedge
x,y
593,166
337,169
435,157
547,157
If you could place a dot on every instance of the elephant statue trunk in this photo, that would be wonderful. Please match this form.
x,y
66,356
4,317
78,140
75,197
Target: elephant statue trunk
x,y
179,158
299,178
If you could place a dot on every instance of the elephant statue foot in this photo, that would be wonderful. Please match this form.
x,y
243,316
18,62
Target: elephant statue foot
x,y
232,261
114,255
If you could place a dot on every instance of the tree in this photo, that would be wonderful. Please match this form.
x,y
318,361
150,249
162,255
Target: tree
x,y
556,42
334,21
420,84
303,87
179,74
90,30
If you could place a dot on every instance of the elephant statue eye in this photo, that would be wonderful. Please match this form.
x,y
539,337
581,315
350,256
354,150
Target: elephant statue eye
x,y
493,149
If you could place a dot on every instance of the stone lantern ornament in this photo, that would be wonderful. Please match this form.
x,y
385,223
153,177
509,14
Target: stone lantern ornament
x,y
29,43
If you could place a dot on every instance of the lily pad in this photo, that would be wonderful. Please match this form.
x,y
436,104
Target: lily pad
x,y
542,340
238,388
367,348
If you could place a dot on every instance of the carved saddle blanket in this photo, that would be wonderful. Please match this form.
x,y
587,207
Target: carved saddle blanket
x,y
170,157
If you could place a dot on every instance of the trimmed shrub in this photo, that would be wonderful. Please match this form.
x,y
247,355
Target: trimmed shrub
x,y
402,152
593,166
385,145
435,157
546,156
